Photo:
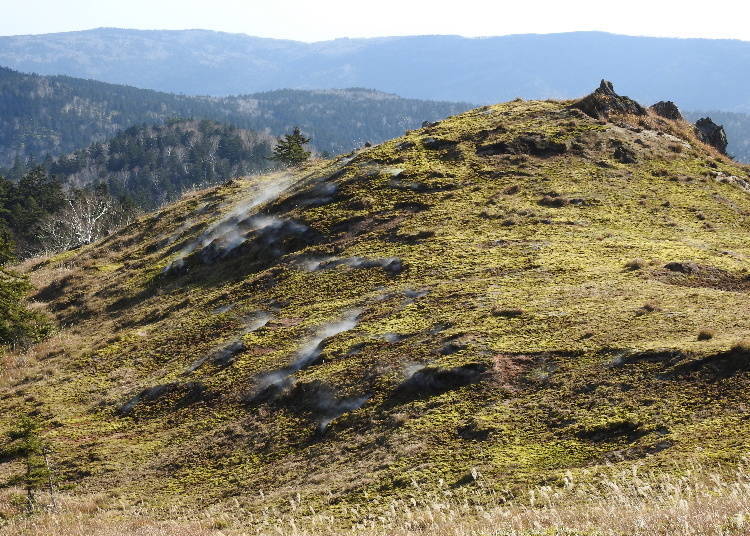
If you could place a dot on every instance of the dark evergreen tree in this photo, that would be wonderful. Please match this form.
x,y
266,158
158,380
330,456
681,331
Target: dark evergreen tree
x,y
290,150
25,443
18,325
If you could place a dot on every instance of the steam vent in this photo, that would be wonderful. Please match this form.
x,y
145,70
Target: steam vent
x,y
503,299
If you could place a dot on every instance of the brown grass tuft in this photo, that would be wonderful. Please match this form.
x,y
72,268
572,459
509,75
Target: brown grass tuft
x,y
706,334
635,264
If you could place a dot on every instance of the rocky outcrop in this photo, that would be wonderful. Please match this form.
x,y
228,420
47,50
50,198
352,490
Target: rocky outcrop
x,y
666,109
712,134
604,102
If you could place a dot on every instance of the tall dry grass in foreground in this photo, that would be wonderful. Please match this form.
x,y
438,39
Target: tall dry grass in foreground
x,y
696,503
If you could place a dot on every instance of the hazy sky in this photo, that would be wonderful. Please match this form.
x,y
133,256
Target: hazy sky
x,y
311,20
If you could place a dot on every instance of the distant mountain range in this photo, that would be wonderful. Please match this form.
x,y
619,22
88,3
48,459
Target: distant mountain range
x,y
698,74
54,115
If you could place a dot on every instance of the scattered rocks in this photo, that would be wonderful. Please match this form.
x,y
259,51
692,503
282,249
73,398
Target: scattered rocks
x,y
712,134
604,102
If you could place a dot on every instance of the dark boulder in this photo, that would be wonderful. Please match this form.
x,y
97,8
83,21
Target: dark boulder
x,y
531,143
712,134
624,155
682,267
666,109
436,144
604,102
431,381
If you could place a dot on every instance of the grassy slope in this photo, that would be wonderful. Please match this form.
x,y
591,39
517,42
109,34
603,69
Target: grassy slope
x,y
558,395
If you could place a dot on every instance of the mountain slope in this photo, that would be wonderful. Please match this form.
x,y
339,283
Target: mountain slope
x,y
515,292
703,74
59,115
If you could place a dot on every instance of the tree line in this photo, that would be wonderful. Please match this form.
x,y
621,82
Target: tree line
x,y
57,115
149,166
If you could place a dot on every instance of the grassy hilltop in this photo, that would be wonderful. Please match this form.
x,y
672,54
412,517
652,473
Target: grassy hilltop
x,y
514,297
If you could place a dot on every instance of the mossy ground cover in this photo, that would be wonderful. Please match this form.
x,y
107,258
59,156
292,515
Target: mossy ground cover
x,y
517,264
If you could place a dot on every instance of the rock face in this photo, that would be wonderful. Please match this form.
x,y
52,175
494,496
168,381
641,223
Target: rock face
x,y
712,134
604,102
666,109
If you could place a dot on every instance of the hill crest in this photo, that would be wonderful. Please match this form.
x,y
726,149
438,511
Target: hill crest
x,y
499,293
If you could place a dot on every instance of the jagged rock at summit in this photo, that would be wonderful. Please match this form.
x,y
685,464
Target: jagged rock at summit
x,y
712,134
604,102
666,109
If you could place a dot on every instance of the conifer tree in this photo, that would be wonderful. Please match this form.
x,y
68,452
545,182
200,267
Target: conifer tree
x,y
17,323
26,443
290,151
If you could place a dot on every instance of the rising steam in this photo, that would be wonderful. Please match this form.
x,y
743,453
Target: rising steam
x,y
310,352
229,231
272,384
392,265
226,354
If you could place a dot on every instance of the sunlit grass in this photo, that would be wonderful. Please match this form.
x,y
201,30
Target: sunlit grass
x,y
698,502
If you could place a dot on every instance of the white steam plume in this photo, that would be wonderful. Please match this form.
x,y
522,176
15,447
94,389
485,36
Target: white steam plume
x,y
314,346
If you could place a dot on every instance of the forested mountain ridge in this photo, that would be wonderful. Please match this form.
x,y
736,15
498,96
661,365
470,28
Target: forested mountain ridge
x,y
56,115
701,74
150,165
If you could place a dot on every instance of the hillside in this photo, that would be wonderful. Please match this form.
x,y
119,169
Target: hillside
x,y
701,74
511,297
59,115
150,165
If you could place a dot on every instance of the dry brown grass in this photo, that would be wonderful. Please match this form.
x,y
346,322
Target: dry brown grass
x,y
695,503
16,364
679,128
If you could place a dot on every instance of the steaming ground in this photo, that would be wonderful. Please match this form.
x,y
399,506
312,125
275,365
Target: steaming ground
x,y
498,294
228,232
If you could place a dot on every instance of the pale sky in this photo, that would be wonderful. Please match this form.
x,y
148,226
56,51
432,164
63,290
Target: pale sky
x,y
311,20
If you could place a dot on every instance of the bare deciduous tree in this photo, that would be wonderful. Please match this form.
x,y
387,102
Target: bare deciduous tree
x,y
87,216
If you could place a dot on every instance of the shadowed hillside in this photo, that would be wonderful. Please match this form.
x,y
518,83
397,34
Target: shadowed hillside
x,y
520,295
